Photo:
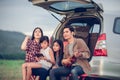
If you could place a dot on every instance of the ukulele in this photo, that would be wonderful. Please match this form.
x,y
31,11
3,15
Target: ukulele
x,y
72,60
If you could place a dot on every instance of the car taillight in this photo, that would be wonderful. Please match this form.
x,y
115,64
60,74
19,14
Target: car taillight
x,y
100,48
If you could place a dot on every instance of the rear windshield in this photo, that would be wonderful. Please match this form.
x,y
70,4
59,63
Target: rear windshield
x,y
69,6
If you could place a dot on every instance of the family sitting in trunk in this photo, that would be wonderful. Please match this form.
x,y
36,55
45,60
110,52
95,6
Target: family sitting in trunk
x,y
59,60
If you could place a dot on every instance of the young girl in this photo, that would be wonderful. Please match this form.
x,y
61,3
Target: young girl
x,y
46,62
47,52
58,54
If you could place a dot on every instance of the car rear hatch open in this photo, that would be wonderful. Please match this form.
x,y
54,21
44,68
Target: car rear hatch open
x,y
65,7
87,12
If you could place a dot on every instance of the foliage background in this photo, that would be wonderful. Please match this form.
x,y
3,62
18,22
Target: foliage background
x,y
10,43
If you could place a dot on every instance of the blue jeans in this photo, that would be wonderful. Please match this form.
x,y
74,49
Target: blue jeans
x,y
76,71
57,73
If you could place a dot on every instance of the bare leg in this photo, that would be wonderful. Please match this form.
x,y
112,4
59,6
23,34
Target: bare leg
x,y
29,68
24,70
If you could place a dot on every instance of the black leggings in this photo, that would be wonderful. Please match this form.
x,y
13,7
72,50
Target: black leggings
x,y
43,73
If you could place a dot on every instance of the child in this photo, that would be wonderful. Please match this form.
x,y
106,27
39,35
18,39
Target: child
x,y
45,61
58,54
47,52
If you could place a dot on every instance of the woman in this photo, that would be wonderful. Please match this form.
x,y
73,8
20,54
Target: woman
x,y
58,54
45,58
32,47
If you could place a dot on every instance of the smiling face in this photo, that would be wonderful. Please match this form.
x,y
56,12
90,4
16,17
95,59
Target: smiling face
x,y
56,47
44,44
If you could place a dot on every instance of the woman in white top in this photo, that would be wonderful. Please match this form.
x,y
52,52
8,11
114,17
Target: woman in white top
x,y
44,62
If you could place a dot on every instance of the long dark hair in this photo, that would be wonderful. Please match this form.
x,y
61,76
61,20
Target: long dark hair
x,y
32,38
60,51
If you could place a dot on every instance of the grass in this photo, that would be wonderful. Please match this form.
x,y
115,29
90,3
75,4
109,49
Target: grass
x,y
10,69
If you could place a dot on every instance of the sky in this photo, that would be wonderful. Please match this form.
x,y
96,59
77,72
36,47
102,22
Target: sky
x,y
22,16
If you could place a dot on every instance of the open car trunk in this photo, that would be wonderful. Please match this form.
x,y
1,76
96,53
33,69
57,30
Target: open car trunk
x,y
84,15
87,28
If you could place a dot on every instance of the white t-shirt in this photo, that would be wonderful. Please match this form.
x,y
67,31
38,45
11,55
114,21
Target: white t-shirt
x,y
45,64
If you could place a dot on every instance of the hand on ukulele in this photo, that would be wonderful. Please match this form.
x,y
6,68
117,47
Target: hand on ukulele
x,y
67,62
77,54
